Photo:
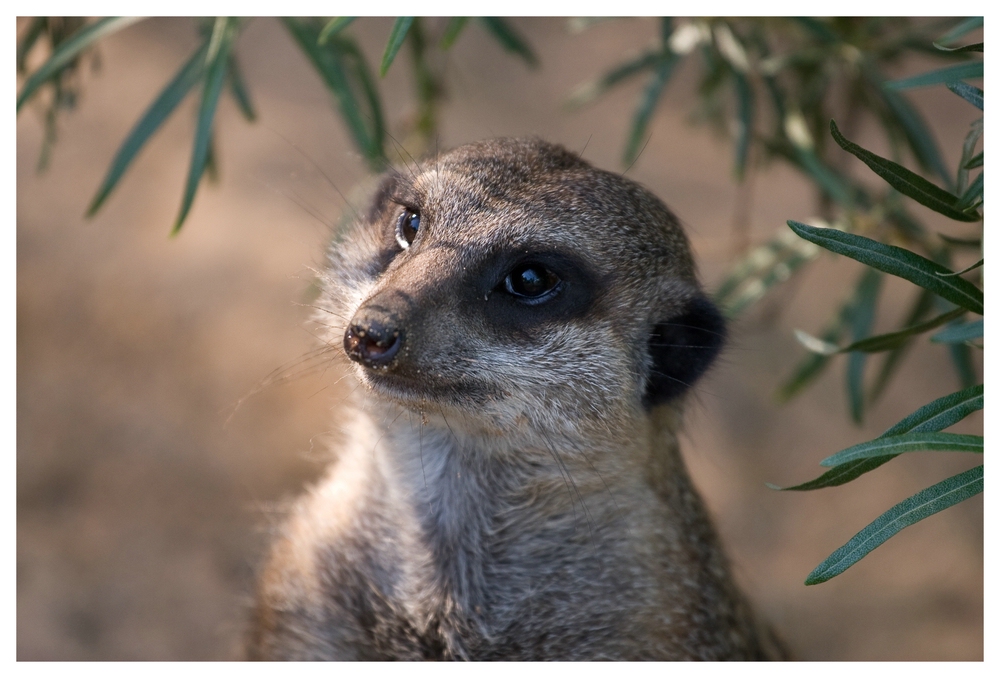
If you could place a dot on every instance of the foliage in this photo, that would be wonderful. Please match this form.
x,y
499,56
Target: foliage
x,y
773,86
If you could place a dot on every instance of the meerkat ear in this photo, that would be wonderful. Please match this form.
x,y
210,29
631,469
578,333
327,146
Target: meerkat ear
x,y
681,349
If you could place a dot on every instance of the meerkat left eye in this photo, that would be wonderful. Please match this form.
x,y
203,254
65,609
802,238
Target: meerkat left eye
x,y
406,227
532,283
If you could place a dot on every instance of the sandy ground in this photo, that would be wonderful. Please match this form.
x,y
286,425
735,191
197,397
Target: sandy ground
x,y
144,495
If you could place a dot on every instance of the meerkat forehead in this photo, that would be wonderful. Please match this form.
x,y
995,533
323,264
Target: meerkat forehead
x,y
532,194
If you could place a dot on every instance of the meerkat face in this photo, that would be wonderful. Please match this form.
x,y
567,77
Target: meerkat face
x,y
511,281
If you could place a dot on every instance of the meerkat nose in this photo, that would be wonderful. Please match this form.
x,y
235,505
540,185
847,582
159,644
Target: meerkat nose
x,y
371,343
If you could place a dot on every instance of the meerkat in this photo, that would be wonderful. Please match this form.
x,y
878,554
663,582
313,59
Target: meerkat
x,y
524,328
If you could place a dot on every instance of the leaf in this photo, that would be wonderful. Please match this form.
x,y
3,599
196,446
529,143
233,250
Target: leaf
x,y
24,45
812,366
509,39
920,308
647,103
932,417
239,90
896,261
66,51
161,108
968,148
918,135
961,357
957,334
967,25
885,342
970,93
745,110
334,26
452,30
396,37
907,442
216,62
328,61
975,47
973,195
589,91
906,182
975,161
975,243
965,270
862,317
909,511
970,69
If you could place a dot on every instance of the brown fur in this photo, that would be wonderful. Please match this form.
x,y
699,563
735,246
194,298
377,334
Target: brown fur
x,y
510,484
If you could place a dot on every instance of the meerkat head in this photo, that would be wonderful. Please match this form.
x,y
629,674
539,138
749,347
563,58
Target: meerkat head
x,y
512,282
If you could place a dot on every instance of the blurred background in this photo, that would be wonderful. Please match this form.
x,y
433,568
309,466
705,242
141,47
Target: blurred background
x,y
145,495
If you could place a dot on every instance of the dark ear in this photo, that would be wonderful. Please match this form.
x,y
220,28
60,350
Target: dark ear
x,y
681,349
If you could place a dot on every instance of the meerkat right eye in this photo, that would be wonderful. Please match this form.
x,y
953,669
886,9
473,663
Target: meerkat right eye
x,y
532,283
407,226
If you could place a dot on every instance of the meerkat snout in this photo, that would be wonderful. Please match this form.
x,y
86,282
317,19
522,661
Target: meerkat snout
x,y
509,484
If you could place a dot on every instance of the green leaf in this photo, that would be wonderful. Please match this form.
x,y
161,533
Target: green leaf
x,y
918,135
814,364
957,334
967,25
961,357
80,41
161,108
589,91
907,442
909,511
452,30
970,93
239,90
970,69
973,195
896,261
922,305
24,45
509,39
396,37
906,182
862,317
745,110
216,62
975,243
885,342
334,26
647,103
329,60
968,148
967,269
975,161
934,416
975,47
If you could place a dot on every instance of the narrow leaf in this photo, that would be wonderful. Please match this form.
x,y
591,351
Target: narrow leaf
x,y
885,342
896,261
217,59
589,91
975,161
24,45
975,47
647,104
961,358
452,31
922,305
957,334
970,69
745,111
934,416
907,442
970,93
975,243
965,26
239,90
862,317
80,41
906,182
973,194
969,144
161,108
396,37
966,270
909,511
813,365
509,39
334,26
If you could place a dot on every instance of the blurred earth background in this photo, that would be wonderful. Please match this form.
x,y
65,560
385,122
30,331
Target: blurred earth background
x,y
144,495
